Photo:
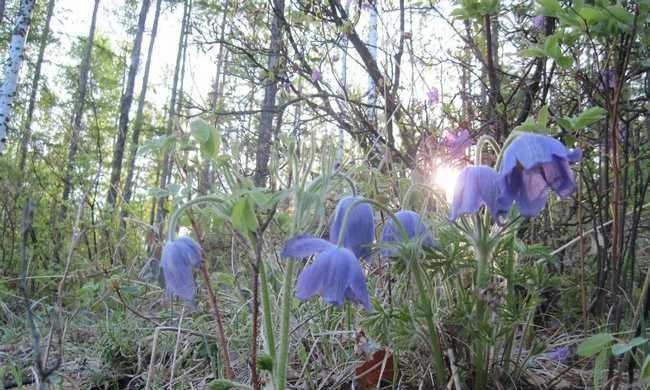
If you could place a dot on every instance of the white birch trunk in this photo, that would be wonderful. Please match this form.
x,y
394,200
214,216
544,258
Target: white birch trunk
x,y
12,67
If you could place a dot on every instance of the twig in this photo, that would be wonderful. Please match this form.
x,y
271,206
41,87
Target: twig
x,y
152,358
178,340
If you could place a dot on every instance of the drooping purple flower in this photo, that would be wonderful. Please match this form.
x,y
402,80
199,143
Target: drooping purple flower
x,y
560,355
414,228
532,164
477,186
360,232
433,96
538,22
316,75
456,144
335,274
178,259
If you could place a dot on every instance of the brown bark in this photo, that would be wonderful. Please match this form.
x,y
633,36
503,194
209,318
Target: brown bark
x,y
265,136
125,107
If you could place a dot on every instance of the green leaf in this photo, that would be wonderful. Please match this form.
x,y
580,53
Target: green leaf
x,y
595,344
600,368
200,130
552,46
565,123
533,52
565,62
552,7
621,348
589,117
243,215
208,137
645,371
542,116
621,14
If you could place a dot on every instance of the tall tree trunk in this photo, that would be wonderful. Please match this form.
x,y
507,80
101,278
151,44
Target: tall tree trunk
x,y
205,177
12,67
263,150
79,105
2,11
166,168
139,116
27,127
125,107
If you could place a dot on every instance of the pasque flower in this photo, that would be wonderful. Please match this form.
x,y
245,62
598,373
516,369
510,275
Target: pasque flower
x,y
179,257
414,227
335,274
532,165
360,231
316,75
456,144
477,186
538,22
433,96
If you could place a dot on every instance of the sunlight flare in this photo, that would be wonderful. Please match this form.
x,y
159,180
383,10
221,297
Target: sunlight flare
x,y
445,178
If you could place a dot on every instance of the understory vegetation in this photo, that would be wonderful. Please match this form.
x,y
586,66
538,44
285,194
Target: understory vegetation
x,y
295,194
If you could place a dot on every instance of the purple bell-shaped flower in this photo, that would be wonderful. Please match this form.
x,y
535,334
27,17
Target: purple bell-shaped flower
x,y
477,186
178,259
532,165
335,274
414,227
360,232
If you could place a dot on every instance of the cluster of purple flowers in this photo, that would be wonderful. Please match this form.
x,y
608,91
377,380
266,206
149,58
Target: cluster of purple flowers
x,y
336,274
531,166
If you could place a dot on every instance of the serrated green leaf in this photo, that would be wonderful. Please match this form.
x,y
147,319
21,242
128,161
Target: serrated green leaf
x,y
243,215
594,344
589,117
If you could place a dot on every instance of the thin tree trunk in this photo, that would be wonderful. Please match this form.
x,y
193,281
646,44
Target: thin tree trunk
x,y
167,160
125,107
77,115
27,127
2,11
12,67
217,88
137,126
270,91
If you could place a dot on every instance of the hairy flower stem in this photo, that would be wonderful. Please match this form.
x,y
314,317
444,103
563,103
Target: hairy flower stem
x,y
213,301
280,370
266,312
436,349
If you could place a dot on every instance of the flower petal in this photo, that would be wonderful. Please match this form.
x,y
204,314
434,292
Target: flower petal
x,y
413,226
478,185
360,232
178,259
305,245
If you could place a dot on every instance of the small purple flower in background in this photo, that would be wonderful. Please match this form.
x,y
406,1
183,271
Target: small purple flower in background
x,y
477,186
532,164
334,57
456,144
609,78
366,6
335,274
179,257
360,232
433,96
316,75
538,22
559,355
414,228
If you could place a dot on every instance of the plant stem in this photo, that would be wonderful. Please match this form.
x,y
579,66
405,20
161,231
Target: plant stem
x,y
438,360
280,371
266,311
216,314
